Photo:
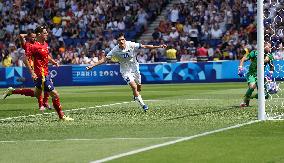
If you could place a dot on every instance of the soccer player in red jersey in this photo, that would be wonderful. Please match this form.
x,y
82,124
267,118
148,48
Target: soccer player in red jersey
x,y
26,44
40,53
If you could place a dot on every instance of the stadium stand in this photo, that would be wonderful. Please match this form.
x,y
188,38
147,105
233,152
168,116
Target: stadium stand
x,y
79,29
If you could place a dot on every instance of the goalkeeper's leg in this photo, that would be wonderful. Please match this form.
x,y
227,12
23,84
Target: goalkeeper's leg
x,y
248,94
266,94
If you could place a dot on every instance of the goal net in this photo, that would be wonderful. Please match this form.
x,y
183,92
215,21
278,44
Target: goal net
x,y
273,14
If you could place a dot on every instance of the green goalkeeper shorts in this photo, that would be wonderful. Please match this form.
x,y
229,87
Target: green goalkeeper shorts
x,y
251,79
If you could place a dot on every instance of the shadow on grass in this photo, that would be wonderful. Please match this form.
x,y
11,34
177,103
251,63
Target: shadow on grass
x,y
203,113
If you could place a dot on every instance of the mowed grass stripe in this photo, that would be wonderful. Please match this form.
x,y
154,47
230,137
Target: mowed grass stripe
x,y
78,109
170,115
74,139
258,142
169,143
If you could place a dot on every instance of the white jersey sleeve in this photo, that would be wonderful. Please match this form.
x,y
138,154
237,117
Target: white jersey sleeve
x,y
112,53
135,45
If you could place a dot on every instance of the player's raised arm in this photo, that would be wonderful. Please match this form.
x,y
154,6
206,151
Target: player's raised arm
x,y
101,61
22,39
245,53
153,46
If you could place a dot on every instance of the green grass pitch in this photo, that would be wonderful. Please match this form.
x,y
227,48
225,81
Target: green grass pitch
x,y
108,123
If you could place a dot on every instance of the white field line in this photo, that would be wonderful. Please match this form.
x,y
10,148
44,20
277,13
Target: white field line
x,y
92,107
170,142
98,139
177,141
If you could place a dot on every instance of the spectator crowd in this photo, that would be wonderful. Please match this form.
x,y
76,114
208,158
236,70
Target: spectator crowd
x,y
201,30
81,31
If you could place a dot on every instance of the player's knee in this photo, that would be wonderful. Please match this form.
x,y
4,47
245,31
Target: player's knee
x,y
252,86
37,93
54,94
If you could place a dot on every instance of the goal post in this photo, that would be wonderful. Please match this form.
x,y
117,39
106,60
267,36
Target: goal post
x,y
260,61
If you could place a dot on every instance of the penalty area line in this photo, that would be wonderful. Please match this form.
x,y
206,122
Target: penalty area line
x,y
78,109
96,139
171,142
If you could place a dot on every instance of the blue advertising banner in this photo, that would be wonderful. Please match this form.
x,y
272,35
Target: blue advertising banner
x,y
61,76
221,71
100,75
11,76
190,72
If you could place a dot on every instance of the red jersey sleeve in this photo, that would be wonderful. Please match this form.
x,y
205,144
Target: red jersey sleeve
x,y
26,47
31,50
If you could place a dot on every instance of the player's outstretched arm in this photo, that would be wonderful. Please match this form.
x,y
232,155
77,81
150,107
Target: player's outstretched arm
x,y
101,61
154,46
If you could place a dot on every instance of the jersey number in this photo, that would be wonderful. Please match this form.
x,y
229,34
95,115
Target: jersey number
x,y
125,55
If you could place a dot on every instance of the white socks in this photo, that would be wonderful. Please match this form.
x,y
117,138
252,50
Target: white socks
x,y
139,99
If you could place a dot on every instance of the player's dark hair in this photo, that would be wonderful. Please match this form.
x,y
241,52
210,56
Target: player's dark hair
x,y
120,35
30,33
39,29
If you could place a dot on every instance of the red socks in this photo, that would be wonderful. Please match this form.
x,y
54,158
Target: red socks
x,y
26,92
39,100
30,92
45,97
57,107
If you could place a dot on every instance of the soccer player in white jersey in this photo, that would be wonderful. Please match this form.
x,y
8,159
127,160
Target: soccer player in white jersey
x,y
125,53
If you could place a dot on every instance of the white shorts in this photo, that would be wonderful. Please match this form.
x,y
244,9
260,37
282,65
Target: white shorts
x,y
129,77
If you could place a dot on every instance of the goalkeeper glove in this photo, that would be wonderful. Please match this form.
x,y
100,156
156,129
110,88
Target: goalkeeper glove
x,y
241,72
269,76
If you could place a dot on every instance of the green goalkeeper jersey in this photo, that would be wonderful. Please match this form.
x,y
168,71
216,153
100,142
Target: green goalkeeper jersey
x,y
252,56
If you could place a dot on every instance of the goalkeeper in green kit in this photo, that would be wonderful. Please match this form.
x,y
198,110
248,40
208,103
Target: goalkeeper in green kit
x,y
251,76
